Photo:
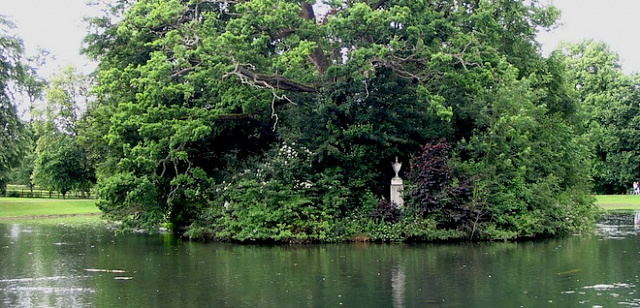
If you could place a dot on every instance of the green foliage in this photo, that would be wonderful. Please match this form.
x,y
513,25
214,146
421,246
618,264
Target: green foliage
x,y
534,168
274,200
201,108
137,199
609,109
271,212
354,138
21,174
408,228
58,165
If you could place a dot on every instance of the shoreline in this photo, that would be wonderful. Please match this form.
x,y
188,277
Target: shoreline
x,y
47,216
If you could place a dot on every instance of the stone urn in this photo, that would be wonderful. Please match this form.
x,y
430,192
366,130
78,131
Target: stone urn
x,y
396,167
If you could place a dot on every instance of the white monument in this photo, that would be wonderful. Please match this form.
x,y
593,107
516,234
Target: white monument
x,y
396,185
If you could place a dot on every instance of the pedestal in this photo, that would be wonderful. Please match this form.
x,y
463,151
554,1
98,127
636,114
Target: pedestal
x,y
396,192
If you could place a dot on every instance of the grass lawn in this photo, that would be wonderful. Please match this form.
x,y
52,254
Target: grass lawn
x,y
618,202
41,208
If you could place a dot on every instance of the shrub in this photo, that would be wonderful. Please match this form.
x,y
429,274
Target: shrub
x,y
386,211
440,192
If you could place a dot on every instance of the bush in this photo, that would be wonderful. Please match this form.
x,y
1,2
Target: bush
x,y
386,211
273,200
440,192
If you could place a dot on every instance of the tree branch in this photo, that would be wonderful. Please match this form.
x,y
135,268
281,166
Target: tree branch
x,y
307,11
267,81
185,70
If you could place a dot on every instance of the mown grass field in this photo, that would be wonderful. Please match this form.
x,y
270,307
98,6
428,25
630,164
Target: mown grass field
x,y
618,202
44,208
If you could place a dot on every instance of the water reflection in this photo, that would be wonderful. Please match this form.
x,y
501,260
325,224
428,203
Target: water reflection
x,y
398,281
34,272
66,266
619,224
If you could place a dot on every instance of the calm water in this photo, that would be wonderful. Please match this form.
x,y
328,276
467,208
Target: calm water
x,y
83,266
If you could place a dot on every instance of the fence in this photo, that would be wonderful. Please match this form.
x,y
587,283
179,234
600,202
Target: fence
x,y
23,191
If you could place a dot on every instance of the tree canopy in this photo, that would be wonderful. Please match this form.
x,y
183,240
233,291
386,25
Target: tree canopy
x,y
277,119
609,113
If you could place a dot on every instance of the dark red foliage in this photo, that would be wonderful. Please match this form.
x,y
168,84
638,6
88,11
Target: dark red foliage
x,y
433,190
386,211
430,174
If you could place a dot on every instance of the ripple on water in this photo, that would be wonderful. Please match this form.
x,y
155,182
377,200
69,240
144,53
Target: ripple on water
x,y
12,280
605,287
52,291
630,302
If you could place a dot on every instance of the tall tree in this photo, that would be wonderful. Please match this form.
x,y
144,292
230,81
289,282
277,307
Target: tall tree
x,y
197,92
61,163
15,76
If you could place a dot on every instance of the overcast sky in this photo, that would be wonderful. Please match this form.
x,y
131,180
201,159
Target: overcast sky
x,y
614,22
54,25
57,26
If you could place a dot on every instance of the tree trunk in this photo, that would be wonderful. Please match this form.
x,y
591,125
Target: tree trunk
x,y
318,57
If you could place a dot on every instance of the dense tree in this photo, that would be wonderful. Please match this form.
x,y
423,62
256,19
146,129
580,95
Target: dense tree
x,y
533,164
277,119
619,149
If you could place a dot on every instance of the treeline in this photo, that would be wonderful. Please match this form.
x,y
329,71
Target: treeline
x,y
52,152
277,120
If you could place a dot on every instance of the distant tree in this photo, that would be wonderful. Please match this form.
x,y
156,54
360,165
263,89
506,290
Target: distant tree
x,y
618,151
609,109
61,163
58,165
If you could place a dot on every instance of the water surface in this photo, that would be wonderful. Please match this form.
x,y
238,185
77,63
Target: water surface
x,y
89,266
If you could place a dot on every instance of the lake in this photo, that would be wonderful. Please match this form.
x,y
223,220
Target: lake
x,y
89,266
